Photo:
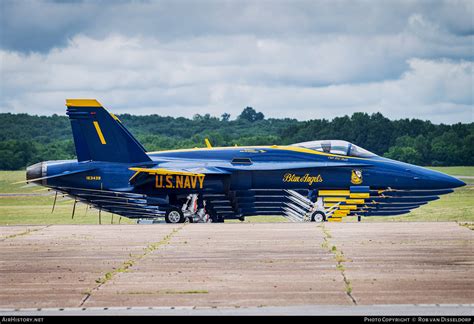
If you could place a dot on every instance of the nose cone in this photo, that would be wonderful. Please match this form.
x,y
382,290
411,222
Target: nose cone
x,y
437,180
35,171
452,182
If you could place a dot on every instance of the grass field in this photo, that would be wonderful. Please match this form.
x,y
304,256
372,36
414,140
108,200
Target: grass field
x,y
36,209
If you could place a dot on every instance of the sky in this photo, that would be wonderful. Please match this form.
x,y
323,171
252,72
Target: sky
x,y
297,59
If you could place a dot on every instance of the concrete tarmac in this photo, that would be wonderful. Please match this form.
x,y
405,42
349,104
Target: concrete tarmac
x,y
284,267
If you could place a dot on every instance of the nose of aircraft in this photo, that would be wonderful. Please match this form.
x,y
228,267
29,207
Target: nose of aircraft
x,y
437,180
452,182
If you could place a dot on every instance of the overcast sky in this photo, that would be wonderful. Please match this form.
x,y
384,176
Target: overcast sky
x,y
298,59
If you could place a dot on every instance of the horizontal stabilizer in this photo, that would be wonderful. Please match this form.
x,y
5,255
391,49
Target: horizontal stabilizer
x,y
59,175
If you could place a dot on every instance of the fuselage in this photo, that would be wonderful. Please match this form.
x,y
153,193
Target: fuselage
x,y
375,172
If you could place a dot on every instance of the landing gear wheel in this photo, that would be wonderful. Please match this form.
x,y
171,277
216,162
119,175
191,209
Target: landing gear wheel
x,y
318,217
174,216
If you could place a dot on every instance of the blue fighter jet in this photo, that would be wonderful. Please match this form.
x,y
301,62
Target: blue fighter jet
x,y
310,181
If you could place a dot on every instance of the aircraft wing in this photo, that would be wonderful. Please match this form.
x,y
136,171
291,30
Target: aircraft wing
x,y
142,175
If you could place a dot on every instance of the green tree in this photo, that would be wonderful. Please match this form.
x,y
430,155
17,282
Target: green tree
x,y
250,115
225,116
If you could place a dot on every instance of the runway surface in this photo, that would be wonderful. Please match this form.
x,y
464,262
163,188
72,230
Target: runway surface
x,y
280,267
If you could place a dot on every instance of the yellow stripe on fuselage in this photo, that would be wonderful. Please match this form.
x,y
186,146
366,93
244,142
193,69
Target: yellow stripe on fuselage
x,y
163,171
99,132
276,147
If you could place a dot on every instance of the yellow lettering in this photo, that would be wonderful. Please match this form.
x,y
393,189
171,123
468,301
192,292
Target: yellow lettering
x,y
187,184
91,178
169,184
291,177
179,181
201,181
193,182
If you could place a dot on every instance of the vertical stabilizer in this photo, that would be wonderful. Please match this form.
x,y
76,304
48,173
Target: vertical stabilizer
x,y
100,136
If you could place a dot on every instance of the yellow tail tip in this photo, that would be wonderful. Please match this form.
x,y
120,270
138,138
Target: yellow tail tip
x,y
82,103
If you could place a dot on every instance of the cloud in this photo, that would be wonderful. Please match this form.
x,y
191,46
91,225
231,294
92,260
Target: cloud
x,y
36,25
140,75
288,59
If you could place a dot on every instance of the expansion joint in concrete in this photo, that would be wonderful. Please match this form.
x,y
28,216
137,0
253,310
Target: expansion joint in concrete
x,y
127,264
26,232
340,259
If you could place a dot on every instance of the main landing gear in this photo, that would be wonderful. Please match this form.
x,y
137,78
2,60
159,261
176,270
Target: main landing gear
x,y
193,210
174,216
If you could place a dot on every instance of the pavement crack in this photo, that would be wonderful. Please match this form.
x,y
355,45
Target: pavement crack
x,y
340,259
469,225
108,276
28,231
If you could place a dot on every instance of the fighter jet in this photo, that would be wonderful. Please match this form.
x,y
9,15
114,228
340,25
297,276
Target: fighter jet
x,y
311,181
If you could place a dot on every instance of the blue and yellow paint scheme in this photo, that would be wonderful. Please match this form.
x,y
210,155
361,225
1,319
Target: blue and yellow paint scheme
x,y
113,172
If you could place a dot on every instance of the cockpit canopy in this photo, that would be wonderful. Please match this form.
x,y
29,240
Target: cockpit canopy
x,y
336,147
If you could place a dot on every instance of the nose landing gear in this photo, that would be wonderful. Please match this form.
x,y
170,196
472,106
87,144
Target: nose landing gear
x,y
318,217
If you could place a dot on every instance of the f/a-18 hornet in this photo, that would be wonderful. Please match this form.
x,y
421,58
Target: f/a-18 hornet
x,y
310,181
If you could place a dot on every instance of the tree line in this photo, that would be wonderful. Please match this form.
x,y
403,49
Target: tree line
x,y
27,139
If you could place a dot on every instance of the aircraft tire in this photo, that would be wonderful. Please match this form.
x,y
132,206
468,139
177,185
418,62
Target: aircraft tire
x,y
174,216
318,217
